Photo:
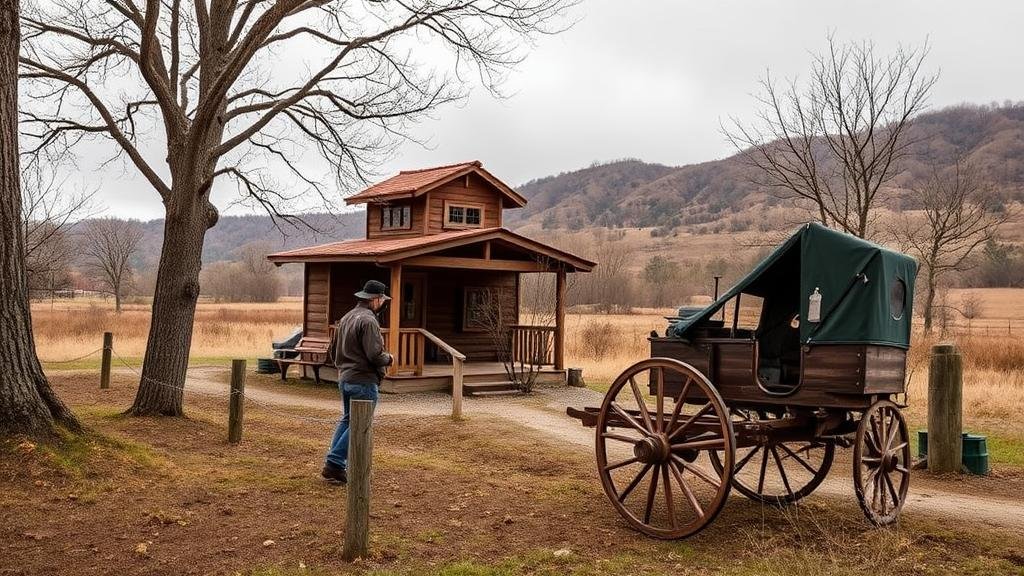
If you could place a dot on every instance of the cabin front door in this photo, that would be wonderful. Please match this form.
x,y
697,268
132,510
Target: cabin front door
x,y
411,306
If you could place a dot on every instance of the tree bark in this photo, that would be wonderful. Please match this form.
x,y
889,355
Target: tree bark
x,y
27,403
174,304
929,301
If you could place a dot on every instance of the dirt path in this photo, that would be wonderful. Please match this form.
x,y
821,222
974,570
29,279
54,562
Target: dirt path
x,y
545,411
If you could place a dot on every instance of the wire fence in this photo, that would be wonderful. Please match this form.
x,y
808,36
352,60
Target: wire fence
x,y
72,360
205,393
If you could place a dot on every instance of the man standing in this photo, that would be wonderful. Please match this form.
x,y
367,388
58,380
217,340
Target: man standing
x,y
361,360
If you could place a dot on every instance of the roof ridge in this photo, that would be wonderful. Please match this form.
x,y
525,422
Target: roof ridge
x,y
476,163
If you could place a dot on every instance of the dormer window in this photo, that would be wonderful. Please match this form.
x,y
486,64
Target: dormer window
x,y
396,217
463,215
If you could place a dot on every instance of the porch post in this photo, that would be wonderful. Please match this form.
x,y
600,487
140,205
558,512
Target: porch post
x,y
560,320
394,315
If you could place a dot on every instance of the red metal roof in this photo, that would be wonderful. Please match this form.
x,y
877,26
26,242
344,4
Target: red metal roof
x,y
385,250
410,183
376,247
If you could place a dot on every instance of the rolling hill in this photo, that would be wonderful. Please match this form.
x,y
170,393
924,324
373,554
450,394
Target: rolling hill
x,y
636,194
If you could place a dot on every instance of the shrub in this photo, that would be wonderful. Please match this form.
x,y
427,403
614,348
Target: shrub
x,y
597,339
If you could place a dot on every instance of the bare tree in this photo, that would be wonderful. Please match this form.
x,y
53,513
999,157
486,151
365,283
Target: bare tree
x,y
243,89
955,220
48,211
836,142
609,288
252,278
496,316
108,247
27,403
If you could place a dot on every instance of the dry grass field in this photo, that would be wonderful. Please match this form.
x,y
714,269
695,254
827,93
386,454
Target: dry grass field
x,y
602,344
170,497
70,328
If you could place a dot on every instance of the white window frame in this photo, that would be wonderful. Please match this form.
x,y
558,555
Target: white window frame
x,y
461,222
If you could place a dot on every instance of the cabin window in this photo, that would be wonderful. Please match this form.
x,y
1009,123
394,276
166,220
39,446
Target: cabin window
x,y
463,216
897,299
477,309
396,217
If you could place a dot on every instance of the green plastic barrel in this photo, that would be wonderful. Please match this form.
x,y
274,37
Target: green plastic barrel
x,y
975,451
976,454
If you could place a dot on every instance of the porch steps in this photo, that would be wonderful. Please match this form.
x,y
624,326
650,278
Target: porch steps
x,y
494,387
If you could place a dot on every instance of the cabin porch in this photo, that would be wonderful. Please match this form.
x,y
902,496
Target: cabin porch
x,y
455,310
529,350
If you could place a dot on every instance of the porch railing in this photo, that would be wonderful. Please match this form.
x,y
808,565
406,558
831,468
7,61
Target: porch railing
x,y
410,353
532,344
409,359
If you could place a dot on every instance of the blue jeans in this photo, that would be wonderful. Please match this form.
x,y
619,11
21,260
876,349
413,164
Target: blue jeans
x,y
338,454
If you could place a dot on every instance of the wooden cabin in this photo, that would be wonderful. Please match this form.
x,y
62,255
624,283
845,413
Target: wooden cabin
x,y
435,237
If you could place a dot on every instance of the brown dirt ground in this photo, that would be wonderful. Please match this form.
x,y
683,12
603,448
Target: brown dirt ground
x,y
477,497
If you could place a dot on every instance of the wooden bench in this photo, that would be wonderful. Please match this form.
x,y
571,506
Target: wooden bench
x,y
312,352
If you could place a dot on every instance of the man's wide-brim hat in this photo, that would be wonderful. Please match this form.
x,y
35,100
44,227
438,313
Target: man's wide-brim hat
x,y
373,289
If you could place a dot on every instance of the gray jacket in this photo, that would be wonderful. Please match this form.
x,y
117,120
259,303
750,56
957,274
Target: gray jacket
x,y
358,347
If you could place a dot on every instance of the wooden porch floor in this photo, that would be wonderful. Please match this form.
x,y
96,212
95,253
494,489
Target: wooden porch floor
x,y
438,377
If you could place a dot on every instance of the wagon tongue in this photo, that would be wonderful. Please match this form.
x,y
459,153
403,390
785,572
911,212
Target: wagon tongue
x,y
587,416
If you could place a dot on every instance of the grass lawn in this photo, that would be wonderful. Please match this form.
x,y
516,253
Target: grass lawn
x,y
475,497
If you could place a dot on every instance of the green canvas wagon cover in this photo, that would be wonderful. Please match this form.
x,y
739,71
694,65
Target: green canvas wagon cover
x,y
866,290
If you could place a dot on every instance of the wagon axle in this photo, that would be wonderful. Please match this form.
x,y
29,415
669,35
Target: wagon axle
x,y
653,449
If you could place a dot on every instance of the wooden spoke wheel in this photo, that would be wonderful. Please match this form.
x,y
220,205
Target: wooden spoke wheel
x,y
777,472
881,462
658,421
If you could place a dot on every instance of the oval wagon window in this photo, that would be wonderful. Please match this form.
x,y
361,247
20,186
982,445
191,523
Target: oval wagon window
x,y
897,299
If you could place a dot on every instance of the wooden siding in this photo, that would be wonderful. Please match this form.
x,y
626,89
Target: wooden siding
x,y
315,306
373,220
346,280
472,191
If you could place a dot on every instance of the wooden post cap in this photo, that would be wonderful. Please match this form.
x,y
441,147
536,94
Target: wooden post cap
x,y
945,348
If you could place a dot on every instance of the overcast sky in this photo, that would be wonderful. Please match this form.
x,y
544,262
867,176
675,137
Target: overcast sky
x,y
652,80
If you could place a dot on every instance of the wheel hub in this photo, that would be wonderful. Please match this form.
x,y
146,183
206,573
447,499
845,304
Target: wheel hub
x,y
888,462
652,449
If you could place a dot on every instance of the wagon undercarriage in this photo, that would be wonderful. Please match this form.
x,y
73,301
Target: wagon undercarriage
x,y
668,461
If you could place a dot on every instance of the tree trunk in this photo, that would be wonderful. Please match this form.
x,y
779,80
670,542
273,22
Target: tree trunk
x,y
929,301
174,305
117,300
27,404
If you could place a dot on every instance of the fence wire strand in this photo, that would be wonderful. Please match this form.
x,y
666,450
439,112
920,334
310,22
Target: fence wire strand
x,y
70,360
269,407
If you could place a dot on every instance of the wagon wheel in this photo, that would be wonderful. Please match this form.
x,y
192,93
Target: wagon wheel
x,y
777,472
881,462
659,447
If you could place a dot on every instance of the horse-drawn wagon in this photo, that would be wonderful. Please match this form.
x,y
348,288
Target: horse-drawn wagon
x,y
760,406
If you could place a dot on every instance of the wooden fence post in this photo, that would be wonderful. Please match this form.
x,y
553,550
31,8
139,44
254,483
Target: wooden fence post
x,y
945,409
236,403
360,455
108,346
456,388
